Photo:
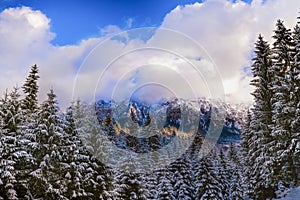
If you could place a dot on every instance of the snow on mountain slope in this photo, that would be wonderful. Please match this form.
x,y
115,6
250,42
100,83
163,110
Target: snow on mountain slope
x,y
139,113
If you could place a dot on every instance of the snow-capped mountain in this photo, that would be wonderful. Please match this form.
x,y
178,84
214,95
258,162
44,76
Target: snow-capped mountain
x,y
143,115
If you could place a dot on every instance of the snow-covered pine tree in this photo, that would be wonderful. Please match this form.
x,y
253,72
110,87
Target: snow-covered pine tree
x,y
182,179
75,160
99,180
151,182
29,112
2,192
236,171
237,191
8,146
95,178
295,125
164,186
129,186
246,136
14,149
208,183
46,179
29,106
247,163
283,111
259,138
30,89
224,174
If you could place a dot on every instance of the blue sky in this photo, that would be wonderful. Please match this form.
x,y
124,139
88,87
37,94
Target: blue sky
x,y
75,20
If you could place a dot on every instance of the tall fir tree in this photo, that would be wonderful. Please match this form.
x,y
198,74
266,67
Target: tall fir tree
x,y
182,179
29,112
236,173
75,159
164,186
46,180
30,89
15,155
223,170
259,136
246,142
8,146
208,183
283,112
96,178
295,124
128,185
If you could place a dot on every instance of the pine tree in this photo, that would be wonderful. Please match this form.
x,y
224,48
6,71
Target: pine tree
x,y
46,180
7,140
74,160
129,186
151,181
182,179
282,103
295,124
208,183
30,118
236,183
246,142
259,138
30,89
164,188
15,156
86,176
223,167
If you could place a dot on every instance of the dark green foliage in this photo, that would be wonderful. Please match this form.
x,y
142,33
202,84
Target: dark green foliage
x,y
182,179
15,157
271,138
128,185
30,89
208,184
41,154
259,138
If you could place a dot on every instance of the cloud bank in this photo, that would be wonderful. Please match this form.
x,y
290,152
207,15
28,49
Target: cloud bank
x,y
225,30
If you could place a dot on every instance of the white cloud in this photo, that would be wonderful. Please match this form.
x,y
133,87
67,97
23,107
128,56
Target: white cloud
x,y
25,38
226,31
110,30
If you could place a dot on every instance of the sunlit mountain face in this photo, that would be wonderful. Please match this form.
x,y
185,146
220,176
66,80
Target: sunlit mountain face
x,y
144,126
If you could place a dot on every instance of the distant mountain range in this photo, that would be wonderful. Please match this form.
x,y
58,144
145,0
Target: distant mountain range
x,y
111,117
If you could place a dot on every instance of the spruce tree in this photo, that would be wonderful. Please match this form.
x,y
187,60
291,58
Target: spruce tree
x,y
224,174
235,165
208,183
95,181
73,159
29,112
259,138
295,124
30,89
164,186
151,182
283,111
8,146
46,180
129,186
182,179
16,158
